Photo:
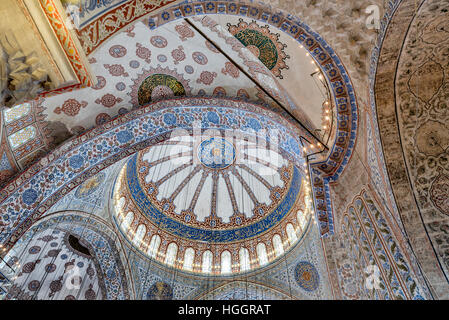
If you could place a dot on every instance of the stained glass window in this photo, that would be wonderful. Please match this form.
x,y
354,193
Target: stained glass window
x,y
16,112
22,136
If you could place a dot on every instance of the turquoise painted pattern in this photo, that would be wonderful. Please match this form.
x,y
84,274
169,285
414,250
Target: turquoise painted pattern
x,y
214,236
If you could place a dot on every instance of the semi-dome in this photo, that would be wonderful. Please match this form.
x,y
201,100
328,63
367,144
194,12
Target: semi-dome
x,y
215,203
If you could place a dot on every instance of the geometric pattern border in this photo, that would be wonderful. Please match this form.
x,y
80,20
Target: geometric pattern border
x,y
62,33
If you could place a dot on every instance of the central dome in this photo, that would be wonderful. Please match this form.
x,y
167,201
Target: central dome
x,y
212,203
216,153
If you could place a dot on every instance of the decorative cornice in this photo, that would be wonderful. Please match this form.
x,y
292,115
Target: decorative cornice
x,y
66,41
99,30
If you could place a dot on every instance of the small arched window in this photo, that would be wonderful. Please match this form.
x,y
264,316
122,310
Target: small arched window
x,y
291,233
262,253
302,219
170,256
244,259
21,137
16,112
154,246
140,233
278,246
189,257
118,205
127,221
226,261
207,262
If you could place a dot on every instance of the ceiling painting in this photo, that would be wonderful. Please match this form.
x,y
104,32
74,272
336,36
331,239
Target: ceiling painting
x,y
151,67
296,71
262,43
175,199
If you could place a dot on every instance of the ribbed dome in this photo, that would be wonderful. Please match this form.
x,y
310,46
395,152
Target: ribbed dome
x,y
211,204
